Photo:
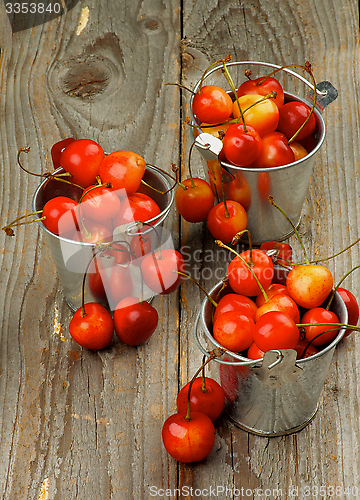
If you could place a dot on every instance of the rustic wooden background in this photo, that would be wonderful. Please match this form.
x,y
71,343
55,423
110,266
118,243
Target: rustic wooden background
x,y
81,425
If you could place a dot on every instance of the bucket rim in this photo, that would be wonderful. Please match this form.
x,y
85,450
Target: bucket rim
x,y
159,218
242,360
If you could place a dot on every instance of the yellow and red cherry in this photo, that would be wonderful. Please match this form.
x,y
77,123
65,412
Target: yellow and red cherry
x,y
280,302
309,284
298,150
123,170
263,114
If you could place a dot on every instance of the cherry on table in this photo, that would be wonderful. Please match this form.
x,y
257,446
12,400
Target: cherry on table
x,y
207,396
226,219
194,199
160,270
92,326
135,321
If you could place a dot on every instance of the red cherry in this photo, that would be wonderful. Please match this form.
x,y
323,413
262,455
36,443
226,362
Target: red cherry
x,y
263,86
271,290
320,334
309,284
188,440
234,331
82,159
242,147
284,250
135,321
195,201
99,203
242,280
304,349
276,330
275,151
118,283
212,104
140,246
94,329
124,170
352,307
57,149
292,115
160,270
229,380
61,215
136,207
254,352
208,398
227,219
235,302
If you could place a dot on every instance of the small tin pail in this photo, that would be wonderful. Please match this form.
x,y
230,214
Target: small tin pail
x,y
72,257
288,184
276,395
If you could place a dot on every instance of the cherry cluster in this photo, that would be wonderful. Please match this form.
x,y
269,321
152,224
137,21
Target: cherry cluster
x,y
257,127
107,196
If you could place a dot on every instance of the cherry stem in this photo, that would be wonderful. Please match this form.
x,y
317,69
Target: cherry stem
x,y
227,214
222,245
164,172
339,325
338,284
181,86
215,353
46,175
331,256
272,202
233,89
226,59
201,288
237,237
203,384
8,229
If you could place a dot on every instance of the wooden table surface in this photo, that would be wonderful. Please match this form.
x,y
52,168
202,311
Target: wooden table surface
x,y
82,425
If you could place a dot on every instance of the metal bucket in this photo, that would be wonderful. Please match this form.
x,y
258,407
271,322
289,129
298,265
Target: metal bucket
x,y
287,184
276,395
72,257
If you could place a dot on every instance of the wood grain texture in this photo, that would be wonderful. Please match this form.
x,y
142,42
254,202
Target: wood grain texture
x,y
78,424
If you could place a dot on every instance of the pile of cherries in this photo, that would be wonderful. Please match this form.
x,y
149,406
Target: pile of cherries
x,y
269,303
258,129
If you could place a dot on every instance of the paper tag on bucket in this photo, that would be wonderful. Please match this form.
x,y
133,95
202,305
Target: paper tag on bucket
x,y
209,146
